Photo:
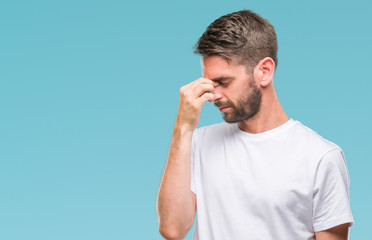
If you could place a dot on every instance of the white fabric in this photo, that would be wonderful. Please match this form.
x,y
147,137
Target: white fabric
x,y
285,183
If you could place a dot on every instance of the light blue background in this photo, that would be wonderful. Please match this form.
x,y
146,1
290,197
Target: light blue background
x,y
89,95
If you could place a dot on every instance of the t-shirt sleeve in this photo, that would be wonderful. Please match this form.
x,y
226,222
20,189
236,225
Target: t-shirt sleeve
x,y
331,200
193,144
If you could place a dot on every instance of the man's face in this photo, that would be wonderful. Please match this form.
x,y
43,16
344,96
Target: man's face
x,y
236,95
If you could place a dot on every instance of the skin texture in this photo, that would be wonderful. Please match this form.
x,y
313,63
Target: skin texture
x,y
270,114
176,204
339,232
251,100
247,105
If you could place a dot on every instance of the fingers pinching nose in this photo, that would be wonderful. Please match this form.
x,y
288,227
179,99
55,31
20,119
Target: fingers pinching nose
x,y
211,100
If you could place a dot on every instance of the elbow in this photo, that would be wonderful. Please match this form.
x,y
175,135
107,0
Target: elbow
x,y
171,233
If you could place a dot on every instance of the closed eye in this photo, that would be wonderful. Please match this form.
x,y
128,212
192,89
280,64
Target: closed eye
x,y
223,81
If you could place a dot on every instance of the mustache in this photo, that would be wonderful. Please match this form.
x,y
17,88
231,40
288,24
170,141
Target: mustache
x,y
220,104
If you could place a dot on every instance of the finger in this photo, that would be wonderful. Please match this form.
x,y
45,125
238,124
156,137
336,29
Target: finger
x,y
202,88
205,97
197,82
203,80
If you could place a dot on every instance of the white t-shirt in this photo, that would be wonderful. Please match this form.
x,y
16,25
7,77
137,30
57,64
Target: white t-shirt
x,y
285,183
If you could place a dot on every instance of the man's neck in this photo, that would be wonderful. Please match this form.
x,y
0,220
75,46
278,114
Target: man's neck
x,y
270,116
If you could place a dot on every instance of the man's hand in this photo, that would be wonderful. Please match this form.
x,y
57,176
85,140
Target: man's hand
x,y
192,98
176,205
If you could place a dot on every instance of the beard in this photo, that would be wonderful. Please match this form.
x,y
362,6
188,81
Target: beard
x,y
246,107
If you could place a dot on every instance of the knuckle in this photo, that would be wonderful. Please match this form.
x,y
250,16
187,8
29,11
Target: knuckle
x,y
205,87
188,101
208,80
184,92
203,80
194,106
200,88
209,95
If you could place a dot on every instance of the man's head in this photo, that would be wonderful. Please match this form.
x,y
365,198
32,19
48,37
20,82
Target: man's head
x,y
239,52
243,35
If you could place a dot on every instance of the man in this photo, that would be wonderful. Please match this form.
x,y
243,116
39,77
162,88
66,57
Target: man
x,y
259,174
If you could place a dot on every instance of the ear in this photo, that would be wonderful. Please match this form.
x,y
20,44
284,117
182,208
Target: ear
x,y
264,71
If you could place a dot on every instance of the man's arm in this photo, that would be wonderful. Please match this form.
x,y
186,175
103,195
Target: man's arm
x,y
176,204
339,232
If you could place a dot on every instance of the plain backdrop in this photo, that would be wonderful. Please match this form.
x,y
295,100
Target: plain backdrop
x,y
89,95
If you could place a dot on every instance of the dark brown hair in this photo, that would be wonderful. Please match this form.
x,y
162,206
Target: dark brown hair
x,y
243,35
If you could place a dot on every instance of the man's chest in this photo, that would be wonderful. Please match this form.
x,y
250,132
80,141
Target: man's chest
x,y
273,179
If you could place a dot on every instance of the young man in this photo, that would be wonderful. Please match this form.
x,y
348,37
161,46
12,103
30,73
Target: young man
x,y
259,174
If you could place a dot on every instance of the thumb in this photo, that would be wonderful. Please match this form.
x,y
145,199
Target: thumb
x,y
206,96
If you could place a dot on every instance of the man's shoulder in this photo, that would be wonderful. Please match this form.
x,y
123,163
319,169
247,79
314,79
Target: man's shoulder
x,y
309,137
214,131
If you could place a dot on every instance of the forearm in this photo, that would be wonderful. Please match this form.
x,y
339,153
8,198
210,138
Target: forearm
x,y
340,232
175,207
176,204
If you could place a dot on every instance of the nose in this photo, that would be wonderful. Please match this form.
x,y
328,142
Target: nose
x,y
217,92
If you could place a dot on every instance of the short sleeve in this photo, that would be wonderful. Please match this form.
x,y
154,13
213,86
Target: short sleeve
x,y
331,200
193,144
